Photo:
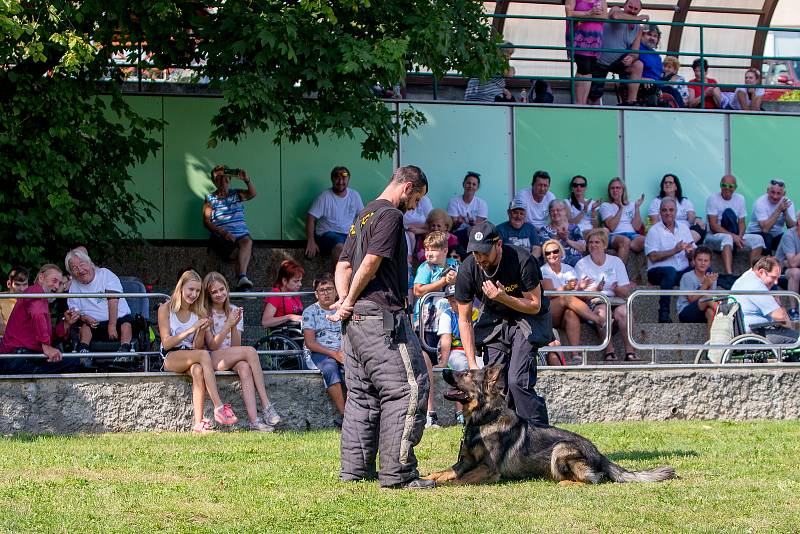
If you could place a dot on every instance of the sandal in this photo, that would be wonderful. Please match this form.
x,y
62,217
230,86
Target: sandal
x,y
224,415
203,427
609,357
632,357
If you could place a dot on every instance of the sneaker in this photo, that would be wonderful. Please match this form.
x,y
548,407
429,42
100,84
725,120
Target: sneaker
x,y
83,348
260,426
203,427
125,347
432,421
244,283
417,483
460,419
271,416
794,315
224,415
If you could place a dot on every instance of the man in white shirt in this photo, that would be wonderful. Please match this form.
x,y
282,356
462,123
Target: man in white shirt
x,y
537,199
669,247
763,308
726,212
788,255
102,319
330,216
772,212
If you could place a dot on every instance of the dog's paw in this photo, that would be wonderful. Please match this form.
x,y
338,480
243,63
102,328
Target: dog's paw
x,y
441,476
571,483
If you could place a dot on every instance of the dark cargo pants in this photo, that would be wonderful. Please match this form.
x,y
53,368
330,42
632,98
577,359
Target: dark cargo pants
x,y
518,355
387,386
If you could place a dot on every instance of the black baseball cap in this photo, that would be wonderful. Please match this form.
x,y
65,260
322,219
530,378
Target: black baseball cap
x,y
450,290
482,237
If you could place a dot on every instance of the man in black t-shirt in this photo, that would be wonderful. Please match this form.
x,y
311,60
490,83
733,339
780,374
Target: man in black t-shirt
x,y
386,378
515,316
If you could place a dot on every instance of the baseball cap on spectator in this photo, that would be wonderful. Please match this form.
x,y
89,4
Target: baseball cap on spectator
x,y
516,204
482,237
450,290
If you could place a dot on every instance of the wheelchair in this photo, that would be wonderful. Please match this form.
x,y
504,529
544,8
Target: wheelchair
x,y
289,340
728,328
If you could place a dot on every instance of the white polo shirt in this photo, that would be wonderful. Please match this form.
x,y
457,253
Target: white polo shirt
x,y
536,213
756,308
659,239
763,210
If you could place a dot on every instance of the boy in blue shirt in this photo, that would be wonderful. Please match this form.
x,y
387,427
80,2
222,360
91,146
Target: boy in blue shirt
x,y
433,274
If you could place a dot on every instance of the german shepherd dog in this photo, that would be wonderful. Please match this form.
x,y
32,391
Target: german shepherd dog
x,y
498,444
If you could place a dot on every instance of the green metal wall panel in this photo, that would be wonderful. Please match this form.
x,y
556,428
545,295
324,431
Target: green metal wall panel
x,y
306,171
763,148
566,142
188,162
689,145
457,139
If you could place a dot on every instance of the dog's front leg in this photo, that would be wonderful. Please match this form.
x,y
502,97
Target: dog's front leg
x,y
442,476
482,474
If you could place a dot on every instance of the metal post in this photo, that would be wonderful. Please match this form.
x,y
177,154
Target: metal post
x,y
702,104
435,88
572,62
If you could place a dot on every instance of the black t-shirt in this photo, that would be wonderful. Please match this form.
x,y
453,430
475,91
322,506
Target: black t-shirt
x,y
382,236
518,271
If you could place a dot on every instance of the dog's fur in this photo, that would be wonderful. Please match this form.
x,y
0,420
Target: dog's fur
x,y
498,444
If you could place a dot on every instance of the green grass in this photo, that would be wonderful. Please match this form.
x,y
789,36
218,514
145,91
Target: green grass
x,y
735,477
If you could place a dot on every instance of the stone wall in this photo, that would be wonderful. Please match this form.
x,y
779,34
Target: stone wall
x,y
162,401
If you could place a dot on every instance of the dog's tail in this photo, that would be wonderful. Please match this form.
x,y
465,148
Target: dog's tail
x,y
620,474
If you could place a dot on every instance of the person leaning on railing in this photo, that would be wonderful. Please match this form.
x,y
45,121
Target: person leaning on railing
x,y
30,330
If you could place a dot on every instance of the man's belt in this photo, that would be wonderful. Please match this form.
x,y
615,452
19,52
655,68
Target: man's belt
x,y
358,317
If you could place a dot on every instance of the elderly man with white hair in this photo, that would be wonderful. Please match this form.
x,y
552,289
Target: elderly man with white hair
x,y
101,319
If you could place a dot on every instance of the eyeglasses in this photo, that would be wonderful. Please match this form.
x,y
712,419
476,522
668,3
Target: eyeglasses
x,y
579,184
325,290
779,183
555,252
727,186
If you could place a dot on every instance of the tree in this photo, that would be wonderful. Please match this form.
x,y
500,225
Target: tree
x,y
294,68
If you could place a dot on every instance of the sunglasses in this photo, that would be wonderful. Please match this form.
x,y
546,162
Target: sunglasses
x,y
579,184
779,183
728,186
555,252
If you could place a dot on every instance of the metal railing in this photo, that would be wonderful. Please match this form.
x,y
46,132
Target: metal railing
x,y
653,347
583,349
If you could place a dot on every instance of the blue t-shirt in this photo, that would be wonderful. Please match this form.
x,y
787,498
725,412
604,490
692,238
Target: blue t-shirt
x,y
525,237
653,66
228,213
427,273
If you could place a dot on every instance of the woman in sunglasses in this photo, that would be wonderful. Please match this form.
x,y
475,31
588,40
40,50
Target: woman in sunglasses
x,y
568,310
582,210
671,187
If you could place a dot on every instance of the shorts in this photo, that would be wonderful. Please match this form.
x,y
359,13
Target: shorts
x,y
331,370
629,235
166,352
327,241
457,361
601,71
692,314
222,246
717,242
100,333
585,65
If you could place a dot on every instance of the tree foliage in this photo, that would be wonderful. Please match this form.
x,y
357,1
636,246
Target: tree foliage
x,y
296,69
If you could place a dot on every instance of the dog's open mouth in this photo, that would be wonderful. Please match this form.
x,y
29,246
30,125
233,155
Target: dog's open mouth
x,y
456,395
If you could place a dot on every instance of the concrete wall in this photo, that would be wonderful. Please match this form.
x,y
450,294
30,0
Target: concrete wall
x,y
162,401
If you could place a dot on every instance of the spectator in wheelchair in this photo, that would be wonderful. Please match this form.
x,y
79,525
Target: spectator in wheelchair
x,y
29,330
285,311
223,338
623,220
101,319
323,339
182,325
671,187
773,212
17,283
698,308
789,256
759,309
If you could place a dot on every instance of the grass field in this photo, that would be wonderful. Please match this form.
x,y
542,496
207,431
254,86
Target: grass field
x,y
735,477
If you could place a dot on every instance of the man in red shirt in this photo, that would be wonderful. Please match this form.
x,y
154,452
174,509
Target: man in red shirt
x,y
30,331
695,98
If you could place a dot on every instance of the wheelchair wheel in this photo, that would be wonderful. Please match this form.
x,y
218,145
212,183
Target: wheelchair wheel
x,y
752,355
291,361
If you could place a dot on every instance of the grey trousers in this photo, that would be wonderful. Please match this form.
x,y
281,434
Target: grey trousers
x,y
388,387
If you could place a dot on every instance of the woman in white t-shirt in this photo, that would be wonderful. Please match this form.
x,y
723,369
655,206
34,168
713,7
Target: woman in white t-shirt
x,y
224,339
466,209
567,311
605,273
744,98
671,187
623,220
582,210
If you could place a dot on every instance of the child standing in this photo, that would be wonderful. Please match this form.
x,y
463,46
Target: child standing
x,y
323,339
224,339
182,324
433,274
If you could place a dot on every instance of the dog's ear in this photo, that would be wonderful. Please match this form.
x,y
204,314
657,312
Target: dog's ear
x,y
492,375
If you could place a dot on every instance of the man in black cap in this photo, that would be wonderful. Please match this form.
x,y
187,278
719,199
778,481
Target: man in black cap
x,y
515,316
387,380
